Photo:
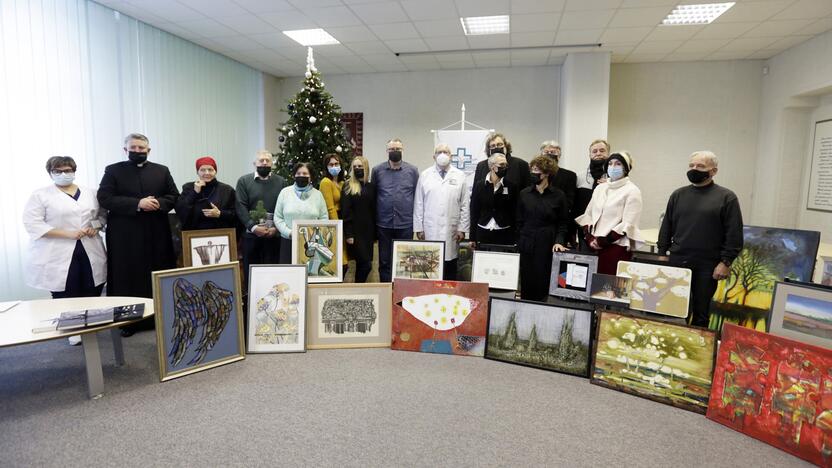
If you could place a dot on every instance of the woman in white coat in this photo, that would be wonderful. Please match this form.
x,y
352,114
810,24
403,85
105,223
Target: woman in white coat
x,y
66,256
610,223
440,207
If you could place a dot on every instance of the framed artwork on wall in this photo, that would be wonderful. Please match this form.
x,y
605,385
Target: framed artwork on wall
x,y
199,321
418,259
499,270
209,247
276,308
349,315
572,275
545,336
318,245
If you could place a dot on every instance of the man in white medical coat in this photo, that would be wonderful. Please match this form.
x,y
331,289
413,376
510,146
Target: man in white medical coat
x,y
440,207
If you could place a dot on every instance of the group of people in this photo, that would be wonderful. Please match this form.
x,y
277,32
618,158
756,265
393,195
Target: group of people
x,y
536,206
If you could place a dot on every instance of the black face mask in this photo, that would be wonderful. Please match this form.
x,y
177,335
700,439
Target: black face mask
x,y
137,157
501,172
358,173
394,156
500,150
301,181
264,171
538,178
697,177
596,168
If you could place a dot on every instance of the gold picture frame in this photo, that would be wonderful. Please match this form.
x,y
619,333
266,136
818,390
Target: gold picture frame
x,y
208,252
327,327
179,293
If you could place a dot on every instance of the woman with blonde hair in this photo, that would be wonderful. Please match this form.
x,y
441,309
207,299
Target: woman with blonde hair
x,y
358,210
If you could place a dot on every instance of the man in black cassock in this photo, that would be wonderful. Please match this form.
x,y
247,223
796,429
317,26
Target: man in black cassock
x,y
138,195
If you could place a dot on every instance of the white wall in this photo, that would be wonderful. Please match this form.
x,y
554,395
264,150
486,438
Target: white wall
x,y
520,102
810,219
662,112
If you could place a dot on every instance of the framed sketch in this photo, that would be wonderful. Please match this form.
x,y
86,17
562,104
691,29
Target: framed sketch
x,y
660,289
199,321
572,275
499,270
349,315
209,247
276,308
318,245
545,336
820,175
418,259
610,290
803,313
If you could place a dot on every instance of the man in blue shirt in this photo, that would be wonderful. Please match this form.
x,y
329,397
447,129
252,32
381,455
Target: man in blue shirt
x,y
395,182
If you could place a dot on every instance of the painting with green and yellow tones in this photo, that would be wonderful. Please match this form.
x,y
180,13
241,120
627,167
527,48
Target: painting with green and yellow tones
x,y
769,255
664,362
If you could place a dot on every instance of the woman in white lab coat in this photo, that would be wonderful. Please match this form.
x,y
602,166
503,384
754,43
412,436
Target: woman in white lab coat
x,y
440,207
66,256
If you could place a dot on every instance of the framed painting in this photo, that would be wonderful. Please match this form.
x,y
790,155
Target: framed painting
x,y
209,247
465,261
545,336
349,315
656,288
803,313
671,364
776,390
317,244
418,259
572,275
500,270
445,317
826,273
610,290
276,308
199,321
768,255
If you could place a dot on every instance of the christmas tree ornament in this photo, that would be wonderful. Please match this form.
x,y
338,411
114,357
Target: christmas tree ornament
x,y
326,129
291,133
308,74
311,142
281,138
338,149
290,107
307,100
312,119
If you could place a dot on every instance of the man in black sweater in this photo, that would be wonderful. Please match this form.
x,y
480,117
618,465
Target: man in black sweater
x,y
702,229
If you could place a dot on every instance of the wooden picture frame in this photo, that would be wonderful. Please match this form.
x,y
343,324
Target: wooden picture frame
x,y
349,315
572,275
505,311
276,309
201,245
179,295
500,270
418,259
318,244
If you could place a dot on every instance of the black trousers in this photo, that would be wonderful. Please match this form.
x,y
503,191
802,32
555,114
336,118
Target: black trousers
x,y
386,236
702,288
449,270
259,251
362,270
79,279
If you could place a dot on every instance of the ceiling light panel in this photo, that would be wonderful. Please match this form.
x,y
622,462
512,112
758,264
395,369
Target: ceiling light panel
x,y
481,25
696,14
311,37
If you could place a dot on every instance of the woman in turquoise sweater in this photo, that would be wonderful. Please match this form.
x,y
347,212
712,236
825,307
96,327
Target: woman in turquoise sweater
x,y
298,201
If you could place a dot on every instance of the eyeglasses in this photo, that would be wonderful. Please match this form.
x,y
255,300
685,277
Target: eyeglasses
x,y
496,146
59,172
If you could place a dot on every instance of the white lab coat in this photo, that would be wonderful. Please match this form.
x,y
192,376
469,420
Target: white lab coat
x,y
49,258
440,207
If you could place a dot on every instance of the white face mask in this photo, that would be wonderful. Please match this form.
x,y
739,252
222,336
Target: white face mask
x,y
63,179
443,159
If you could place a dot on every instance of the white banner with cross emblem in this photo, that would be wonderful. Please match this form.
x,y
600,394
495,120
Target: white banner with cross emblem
x,y
467,149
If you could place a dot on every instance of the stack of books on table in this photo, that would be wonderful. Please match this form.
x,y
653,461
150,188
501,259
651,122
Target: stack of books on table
x,y
77,319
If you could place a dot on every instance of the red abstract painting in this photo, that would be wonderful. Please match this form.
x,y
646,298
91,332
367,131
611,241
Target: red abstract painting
x,y
445,317
776,390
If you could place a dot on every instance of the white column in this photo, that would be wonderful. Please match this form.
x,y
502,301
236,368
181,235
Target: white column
x,y
584,105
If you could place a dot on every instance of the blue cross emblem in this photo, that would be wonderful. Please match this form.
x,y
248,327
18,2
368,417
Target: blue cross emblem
x,y
461,159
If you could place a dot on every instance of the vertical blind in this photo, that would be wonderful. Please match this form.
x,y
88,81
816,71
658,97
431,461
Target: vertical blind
x,y
76,77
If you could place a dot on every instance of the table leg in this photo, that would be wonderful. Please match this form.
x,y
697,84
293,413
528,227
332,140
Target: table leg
x,y
92,358
118,349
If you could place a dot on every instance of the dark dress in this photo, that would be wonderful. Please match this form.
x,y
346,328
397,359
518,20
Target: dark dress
x,y
501,205
542,222
138,242
359,215
190,205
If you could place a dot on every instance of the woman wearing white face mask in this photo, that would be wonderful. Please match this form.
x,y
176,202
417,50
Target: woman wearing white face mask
x,y
610,223
66,255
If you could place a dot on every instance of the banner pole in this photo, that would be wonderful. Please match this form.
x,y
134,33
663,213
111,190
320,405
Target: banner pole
x,y
463,116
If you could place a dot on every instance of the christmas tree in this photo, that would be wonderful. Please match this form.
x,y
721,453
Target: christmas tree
x,y
314,128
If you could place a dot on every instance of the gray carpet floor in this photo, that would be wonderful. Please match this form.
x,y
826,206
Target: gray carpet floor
x,y
373,407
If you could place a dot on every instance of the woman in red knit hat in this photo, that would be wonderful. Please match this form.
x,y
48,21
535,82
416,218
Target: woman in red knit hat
x,y
206,203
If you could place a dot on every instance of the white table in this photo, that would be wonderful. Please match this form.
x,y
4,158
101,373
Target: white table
x,y
17,323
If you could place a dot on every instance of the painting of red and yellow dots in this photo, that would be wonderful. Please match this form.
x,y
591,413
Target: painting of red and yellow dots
x,y
776,390
444,317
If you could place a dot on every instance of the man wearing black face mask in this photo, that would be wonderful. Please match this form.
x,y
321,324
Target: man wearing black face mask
x,y
261,244
517,170
702,230
138,195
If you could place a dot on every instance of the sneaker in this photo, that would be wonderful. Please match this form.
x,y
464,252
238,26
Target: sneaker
x,y
75,340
